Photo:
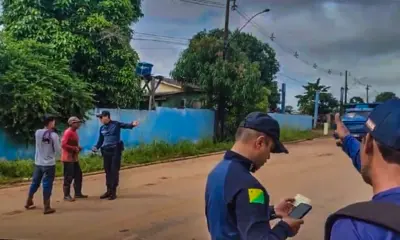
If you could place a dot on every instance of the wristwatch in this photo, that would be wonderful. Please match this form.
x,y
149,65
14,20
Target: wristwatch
x,y
272,214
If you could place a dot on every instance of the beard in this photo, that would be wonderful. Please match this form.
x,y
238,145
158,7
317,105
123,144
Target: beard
x,y
366,174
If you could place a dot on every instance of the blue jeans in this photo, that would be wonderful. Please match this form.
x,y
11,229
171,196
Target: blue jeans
x,y
44,175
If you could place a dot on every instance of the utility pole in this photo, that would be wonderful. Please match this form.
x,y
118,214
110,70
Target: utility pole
x,y
341,100
345,87
283,103
226,29
316,105
367,88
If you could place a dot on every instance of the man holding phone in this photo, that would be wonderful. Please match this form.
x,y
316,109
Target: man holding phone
x,y
237,205
377,158
111,149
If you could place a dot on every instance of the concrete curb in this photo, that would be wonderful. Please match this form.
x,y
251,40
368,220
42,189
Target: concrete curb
x,y
25,181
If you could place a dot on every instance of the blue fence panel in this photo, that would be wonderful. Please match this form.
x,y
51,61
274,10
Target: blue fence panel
x,y
163,124
299,122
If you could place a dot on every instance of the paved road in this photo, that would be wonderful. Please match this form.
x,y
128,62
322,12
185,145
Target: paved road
x,y
166,201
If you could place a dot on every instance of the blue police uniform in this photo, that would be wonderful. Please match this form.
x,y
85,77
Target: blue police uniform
x,y
237,205
384,126
111,149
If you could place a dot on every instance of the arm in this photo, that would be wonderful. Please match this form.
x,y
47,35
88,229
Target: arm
x,y
126,125
65,140
253,220
56,143
344,229
351,147
100,140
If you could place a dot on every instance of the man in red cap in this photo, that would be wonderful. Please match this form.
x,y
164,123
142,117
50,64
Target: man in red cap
x,y
69,157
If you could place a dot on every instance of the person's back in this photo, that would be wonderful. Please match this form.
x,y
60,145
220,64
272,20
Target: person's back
x,y
368,231
47,146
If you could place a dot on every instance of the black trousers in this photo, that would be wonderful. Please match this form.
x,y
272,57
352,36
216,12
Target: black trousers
x,y
72,172
112,165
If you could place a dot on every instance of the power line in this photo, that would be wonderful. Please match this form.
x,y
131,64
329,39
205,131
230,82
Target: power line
x,y
160,36
204,3
159,40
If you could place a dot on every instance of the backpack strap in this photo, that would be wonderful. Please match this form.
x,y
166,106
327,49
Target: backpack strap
x,y
383,214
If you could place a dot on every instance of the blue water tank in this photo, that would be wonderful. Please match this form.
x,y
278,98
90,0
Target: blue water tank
x,y
144,69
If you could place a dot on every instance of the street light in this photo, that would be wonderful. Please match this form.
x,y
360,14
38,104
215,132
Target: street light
x,y
248,21
240,29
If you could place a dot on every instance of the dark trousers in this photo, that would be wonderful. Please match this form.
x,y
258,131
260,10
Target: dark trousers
x,y
44,175
112,165
72,172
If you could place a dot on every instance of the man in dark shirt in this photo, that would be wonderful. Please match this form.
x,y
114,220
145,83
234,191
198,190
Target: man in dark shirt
x,y
377,158
111,149
237,205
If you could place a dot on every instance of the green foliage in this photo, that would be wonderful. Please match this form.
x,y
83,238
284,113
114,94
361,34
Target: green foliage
x,y
356,99
234,85
16,170
33,83
384,96
289,109
93,35
306,102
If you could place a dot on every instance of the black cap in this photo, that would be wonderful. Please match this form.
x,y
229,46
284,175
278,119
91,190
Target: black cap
x,y
262,122
103,114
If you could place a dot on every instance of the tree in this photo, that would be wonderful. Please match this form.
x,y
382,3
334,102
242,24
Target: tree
x,y
33,84
306,102
384,96
92,35
234,85
289,109
356,99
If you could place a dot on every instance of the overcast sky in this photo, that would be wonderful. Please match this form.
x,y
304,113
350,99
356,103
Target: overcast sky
x,y
361,36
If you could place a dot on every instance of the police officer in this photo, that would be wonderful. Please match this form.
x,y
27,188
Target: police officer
x,y
237,205
377,158
111,149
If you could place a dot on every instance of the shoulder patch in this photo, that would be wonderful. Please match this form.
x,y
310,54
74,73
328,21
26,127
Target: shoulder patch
x,y
256,195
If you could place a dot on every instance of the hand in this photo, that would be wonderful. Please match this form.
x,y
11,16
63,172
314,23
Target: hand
x,y
135,123
284,207
80,148
294,225
341,130
77,149
94,149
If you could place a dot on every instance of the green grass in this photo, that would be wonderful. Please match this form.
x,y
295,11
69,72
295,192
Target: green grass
x,y
14,171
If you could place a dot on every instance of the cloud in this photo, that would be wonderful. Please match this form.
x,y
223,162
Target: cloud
x,y
360,36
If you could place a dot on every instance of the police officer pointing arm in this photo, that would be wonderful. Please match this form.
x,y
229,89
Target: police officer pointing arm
x,y
237,205
111,149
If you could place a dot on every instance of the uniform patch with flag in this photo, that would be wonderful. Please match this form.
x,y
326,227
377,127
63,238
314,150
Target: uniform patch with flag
x,y
256,195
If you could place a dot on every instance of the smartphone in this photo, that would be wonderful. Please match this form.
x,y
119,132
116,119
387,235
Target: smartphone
x,y
301,199
300,211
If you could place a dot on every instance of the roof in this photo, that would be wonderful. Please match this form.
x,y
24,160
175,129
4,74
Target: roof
x,y
171,81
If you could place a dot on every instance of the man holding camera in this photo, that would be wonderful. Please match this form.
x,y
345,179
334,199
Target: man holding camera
x,y
111,149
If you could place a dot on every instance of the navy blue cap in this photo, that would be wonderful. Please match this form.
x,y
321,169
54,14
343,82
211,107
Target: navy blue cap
x,y
103,114
262,122
384,124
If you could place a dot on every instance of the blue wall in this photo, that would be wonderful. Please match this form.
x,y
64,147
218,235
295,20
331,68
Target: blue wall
x,y
299,122
163,124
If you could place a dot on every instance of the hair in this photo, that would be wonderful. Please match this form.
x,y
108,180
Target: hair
x,y
47,120
246,134
390,155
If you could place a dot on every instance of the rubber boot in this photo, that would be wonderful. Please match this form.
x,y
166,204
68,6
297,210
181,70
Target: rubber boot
x,y
67,195
113,194
29,203
47,208
106,194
